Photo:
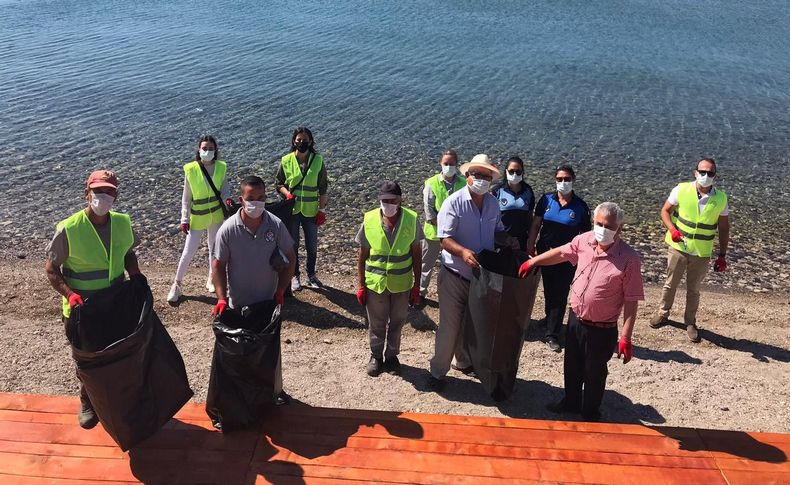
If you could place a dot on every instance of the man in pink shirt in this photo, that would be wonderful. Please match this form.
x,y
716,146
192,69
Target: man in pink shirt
x,y
607,281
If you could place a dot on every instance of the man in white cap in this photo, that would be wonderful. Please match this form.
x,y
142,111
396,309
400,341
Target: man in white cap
x,y
467,222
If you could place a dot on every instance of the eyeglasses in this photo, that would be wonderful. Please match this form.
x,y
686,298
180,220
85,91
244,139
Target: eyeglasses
x,y
481,176
709,173
564,179
516,172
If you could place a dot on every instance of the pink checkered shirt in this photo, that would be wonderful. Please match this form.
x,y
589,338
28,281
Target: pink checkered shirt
x,y
603,282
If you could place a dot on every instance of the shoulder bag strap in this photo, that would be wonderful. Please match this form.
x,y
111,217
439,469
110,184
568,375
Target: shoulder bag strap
x,y
214,188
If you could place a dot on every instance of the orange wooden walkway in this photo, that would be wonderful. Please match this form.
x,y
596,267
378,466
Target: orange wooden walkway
x,y
41,443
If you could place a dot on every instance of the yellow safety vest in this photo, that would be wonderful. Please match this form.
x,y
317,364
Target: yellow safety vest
x,y
699,230
88,266
390,267
206,209
436,184
306,194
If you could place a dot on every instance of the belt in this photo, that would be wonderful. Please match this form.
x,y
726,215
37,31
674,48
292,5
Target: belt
x,y
454,273
597,324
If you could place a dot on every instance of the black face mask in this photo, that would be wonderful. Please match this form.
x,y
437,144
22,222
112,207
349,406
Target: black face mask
x,y
302,146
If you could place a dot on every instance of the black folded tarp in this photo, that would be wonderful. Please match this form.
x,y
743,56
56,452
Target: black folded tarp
x,y
127,362
498,312
244,366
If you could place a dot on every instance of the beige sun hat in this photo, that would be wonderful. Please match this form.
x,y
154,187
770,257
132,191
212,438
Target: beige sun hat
x,y
481,161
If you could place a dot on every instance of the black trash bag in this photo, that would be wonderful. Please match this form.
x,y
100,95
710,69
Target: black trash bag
x,y
127,362
497,315
244,366
283,209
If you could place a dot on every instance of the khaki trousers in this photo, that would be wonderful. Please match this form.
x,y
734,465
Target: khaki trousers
x,y
694,268
453,296
430,253
386,315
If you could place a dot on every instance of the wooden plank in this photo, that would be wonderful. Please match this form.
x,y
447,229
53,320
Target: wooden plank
x,y
55,449
752,477
572,440
22,480
295,441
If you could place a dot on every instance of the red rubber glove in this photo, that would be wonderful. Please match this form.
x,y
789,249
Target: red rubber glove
x,y
289,196
320,218
279,296
229,202
720,266
219,308
74,299
185,228
675,235
524,269
414,296
625,350
362,295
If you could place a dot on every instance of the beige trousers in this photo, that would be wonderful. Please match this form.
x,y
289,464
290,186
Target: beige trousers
x,y
453,296
694,268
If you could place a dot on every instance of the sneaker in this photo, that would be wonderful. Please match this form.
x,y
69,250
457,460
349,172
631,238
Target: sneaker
x,y
282,399
210,285
175,293
296,285
657,321
693,333
374,367
552,343
314,283
560,407
392,366
87,416
434,384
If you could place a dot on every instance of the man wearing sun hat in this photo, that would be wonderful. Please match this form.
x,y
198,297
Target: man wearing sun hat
x,y
90,251
466,225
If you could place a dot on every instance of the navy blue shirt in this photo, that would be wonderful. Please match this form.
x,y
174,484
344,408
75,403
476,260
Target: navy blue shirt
x,y
516,210
561,224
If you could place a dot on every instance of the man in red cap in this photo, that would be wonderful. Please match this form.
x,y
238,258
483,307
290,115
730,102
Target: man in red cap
x,y
90,251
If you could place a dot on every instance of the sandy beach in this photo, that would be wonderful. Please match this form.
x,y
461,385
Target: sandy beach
x,y
736,378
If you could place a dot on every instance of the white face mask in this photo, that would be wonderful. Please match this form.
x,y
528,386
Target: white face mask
x,y
389,210
705,180
514,178
254,208
603,235
101,203
479,186
448,171
565,188
207,155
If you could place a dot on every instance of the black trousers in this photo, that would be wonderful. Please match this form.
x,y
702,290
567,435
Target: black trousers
x,y
587,351
556,286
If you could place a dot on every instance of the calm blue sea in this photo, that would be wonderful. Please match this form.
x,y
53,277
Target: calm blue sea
x,y
631,92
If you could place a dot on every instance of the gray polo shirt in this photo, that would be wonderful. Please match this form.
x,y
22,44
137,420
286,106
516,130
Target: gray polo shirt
x,y
471,228
251,277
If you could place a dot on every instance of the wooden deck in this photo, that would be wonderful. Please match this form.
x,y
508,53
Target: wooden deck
x,y
41,443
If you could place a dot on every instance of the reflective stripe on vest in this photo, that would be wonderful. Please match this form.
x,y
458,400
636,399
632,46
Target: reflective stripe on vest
x,y
440,193
88,266
698,230
206,209
306,194
390,267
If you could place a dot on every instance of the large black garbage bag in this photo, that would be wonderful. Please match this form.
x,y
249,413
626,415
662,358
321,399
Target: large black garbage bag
x,y
127,362
498,312
283,209
244,366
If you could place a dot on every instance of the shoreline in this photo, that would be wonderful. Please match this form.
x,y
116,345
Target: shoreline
x,y
734,379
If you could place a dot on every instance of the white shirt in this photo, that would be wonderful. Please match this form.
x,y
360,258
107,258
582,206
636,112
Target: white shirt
x,y
673,200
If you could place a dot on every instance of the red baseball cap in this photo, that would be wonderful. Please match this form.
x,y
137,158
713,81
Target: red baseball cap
x,y
102,178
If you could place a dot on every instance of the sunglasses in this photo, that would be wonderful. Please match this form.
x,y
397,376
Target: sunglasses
x,y
564,179
481,176
709,173
516,172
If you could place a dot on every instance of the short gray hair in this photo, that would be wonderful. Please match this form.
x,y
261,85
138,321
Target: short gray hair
x,y
609,209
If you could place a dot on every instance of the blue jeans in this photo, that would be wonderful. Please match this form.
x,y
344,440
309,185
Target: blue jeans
x,y
310,230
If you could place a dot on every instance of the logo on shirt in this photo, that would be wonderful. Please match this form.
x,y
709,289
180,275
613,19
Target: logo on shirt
x,y
572,215
503,202
269,236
